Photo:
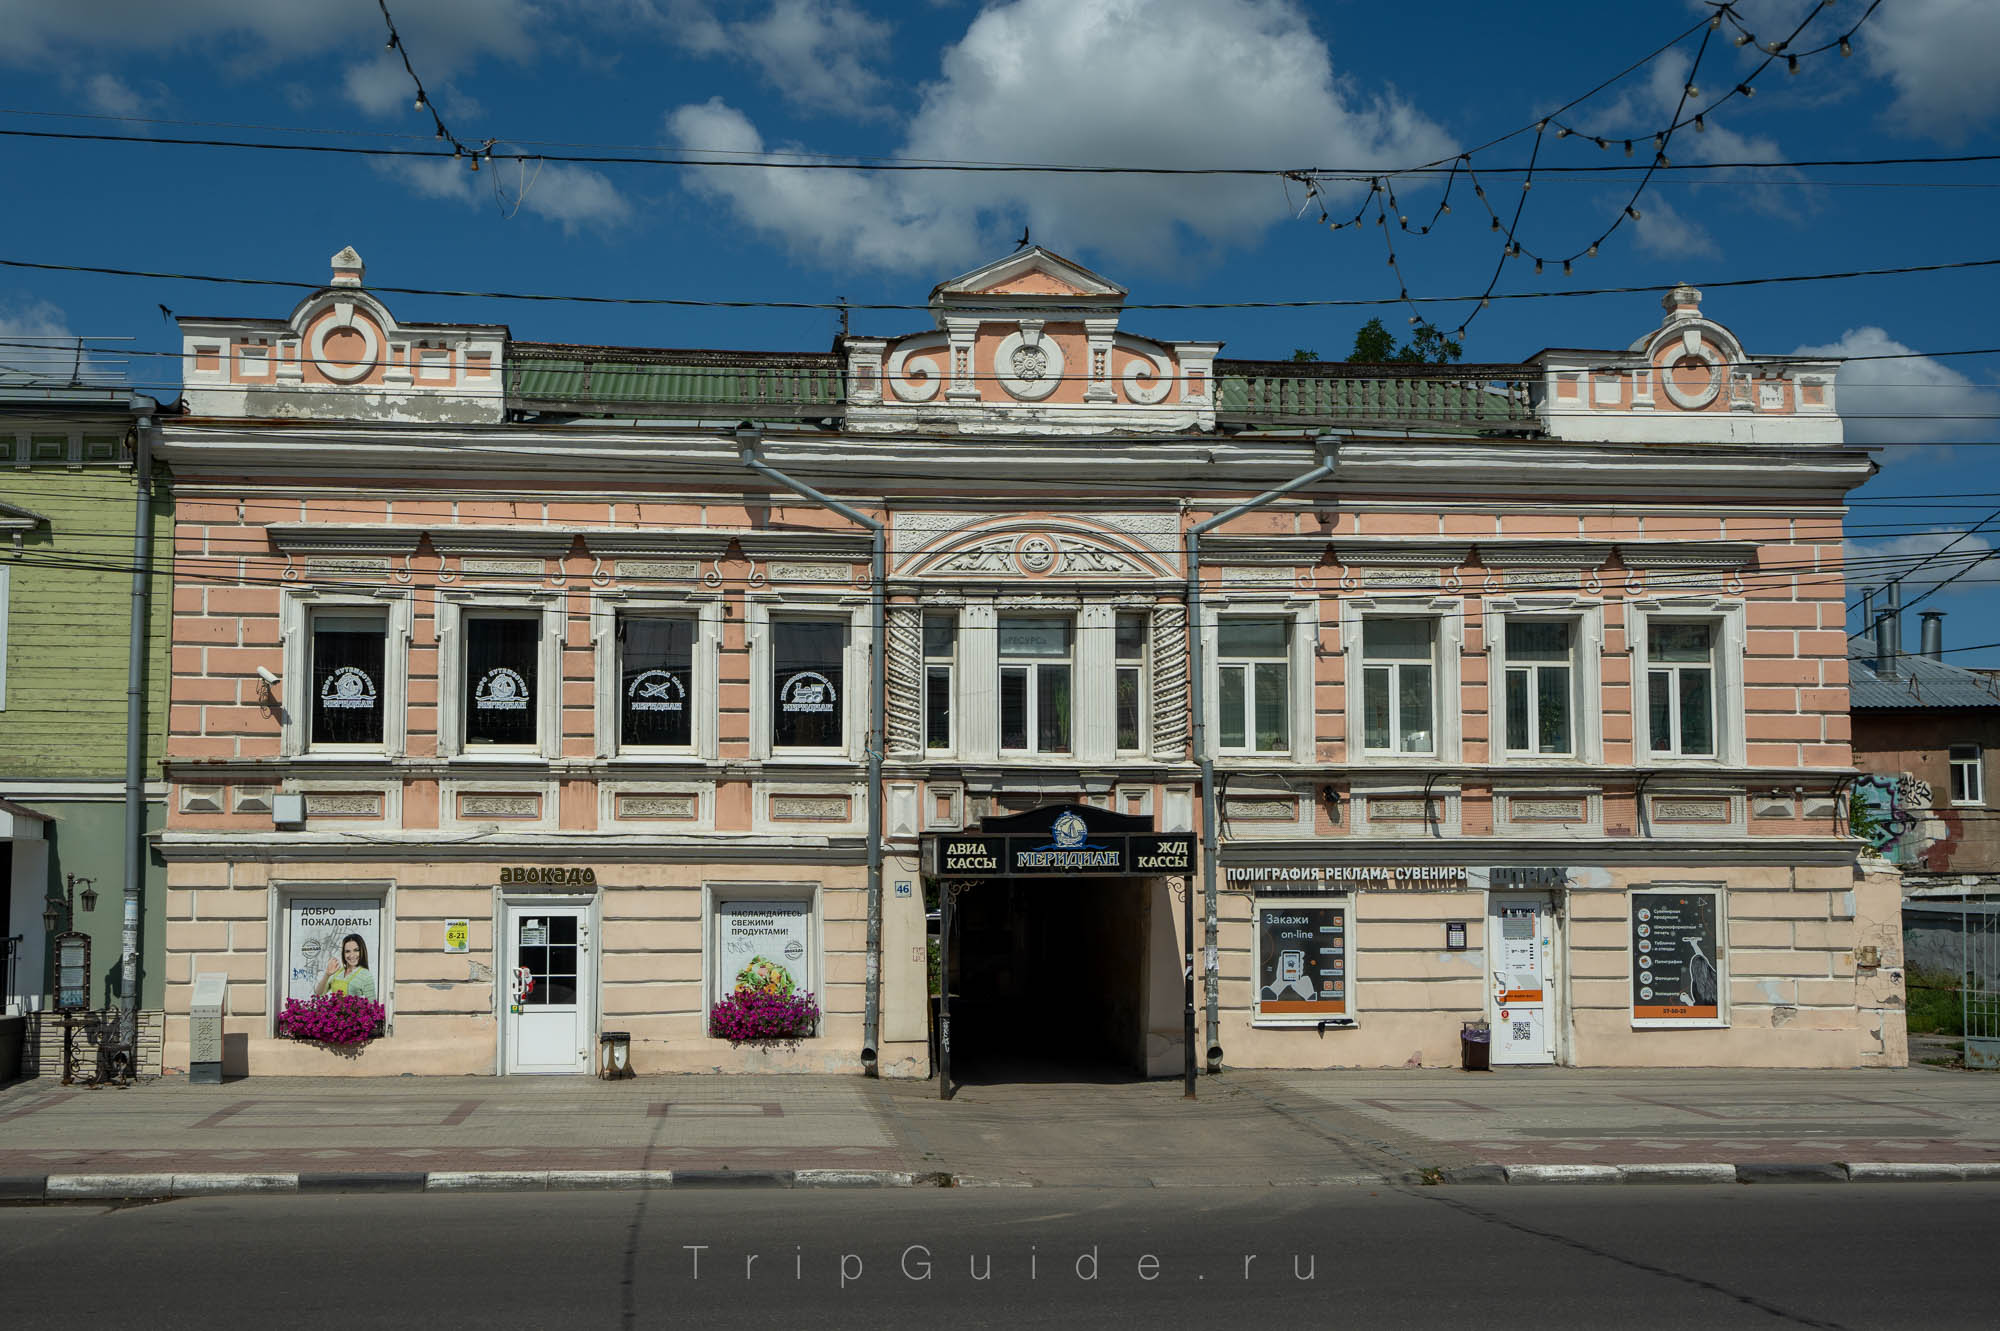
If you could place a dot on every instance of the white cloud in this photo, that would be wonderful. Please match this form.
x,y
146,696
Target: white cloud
x,y
1938,55
572,196
1137,82
1906,401
1662,230
36,341
112,96
444,36
818,54
1873,563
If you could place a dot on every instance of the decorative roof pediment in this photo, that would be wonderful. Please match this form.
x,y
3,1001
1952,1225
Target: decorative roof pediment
x,y
1029,276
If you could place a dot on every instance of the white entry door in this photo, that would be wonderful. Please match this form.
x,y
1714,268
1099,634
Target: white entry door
x,y
1519,939
547,983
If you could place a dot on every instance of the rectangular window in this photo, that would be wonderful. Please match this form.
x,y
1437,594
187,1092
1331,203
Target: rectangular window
x,y
655,681
1034,685
1540,697
1398,680
940,663
1680,689
335,945
1968,776
502,683
807,657
766,943
348,655
1130,652
1253,684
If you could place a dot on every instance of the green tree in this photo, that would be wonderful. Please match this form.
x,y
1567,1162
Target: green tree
x,y
1304,355
1376,345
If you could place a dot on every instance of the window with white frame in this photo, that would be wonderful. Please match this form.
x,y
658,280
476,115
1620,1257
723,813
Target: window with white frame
x,y
808,682
349,655
502,683
655,680
940,678
1253,684
1680,688
1399,685
1968,775
1540,697
1035,676
1131,638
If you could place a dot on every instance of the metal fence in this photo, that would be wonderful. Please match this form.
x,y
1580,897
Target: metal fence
x,y
1955,947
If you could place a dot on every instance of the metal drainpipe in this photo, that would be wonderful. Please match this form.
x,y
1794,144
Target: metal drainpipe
x,y
748,440
1329,450
135,729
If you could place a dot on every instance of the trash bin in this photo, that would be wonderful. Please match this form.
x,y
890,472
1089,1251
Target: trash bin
x,y
614,1055
1475,1046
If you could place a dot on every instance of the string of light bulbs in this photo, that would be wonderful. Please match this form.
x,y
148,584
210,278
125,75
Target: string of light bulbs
x,y
424,102
1381,188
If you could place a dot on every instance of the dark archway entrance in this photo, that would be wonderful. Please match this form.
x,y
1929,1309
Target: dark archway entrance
x,y
1059,954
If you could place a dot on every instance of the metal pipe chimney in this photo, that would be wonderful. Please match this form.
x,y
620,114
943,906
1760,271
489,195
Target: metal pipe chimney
x,y
1885,658
1931,637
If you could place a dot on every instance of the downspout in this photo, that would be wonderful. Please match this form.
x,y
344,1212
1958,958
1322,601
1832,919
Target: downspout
x,y
135,728
1328,446
748,440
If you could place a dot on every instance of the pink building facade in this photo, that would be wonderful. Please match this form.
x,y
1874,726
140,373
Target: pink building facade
x,y
1525,706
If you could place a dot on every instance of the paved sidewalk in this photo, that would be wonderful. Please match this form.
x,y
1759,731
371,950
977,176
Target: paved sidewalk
x,y
1284,1128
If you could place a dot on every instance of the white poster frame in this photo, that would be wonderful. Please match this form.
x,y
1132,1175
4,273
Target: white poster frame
x,y
1344,902
1720,1021
380,892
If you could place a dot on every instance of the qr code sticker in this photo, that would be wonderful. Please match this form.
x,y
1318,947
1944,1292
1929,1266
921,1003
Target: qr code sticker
x,y
1524,1030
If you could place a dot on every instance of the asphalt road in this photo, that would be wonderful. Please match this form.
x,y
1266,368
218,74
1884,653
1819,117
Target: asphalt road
x,y
1855,1255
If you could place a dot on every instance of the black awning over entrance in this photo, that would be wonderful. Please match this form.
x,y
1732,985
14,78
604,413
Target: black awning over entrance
x,y
1010,854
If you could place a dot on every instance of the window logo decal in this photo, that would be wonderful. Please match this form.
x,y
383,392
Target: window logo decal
x,y
807,691
656,691
348,686
501,690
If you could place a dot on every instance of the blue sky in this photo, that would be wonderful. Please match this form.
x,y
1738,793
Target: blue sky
x,y
1256,83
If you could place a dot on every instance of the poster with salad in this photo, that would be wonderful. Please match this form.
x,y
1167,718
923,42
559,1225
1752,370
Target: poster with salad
x,y
764,946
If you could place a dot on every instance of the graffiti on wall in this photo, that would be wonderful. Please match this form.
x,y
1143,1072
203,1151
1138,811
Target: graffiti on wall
x,y
1893,814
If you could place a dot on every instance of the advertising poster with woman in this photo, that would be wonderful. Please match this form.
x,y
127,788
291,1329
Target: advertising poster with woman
x,y
333,947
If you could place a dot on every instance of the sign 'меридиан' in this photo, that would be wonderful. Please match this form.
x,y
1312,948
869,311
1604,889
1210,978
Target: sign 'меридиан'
x,y
969,855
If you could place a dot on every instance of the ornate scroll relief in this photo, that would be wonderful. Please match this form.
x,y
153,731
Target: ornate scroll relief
x,y
809,808
915,372
1028,365
1149,378
904,703
499,806
1170,679
675,808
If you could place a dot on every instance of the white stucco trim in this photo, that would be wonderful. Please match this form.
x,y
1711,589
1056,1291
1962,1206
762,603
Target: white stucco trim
x,y
703,695
296,607
452,607
758,612
1448,614
1303,611
1586,614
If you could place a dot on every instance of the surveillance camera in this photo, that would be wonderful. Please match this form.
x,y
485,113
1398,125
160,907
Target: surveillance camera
x,y
265,674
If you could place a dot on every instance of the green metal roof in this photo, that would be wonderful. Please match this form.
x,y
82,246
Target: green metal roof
x,y
632,381
624,381
1457,398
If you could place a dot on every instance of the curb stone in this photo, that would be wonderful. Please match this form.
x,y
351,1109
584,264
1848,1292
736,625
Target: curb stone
x,y
109,1187
392,1182
1677,1173
1827,1173
23,1187
592,1180
1481,1174
732,1178
525,1180
211,1185
1564,1174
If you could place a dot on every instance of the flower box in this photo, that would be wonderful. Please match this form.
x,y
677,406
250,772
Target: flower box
x,y
751,1015
341,1020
